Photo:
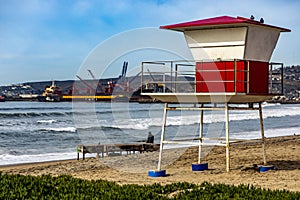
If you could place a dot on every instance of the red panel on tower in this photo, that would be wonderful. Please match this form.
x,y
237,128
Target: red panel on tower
x,y
219,76
258,77
230,76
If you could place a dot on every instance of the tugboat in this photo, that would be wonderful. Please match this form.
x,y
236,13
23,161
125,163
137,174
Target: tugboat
x,y
51,93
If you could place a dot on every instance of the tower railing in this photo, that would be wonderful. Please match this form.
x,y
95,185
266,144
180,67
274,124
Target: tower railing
x,y
276,78
189,77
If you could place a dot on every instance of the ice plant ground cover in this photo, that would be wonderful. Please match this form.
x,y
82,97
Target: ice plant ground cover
x,y
15,186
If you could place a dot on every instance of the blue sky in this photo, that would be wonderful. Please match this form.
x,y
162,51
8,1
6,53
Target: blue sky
x,y
49,39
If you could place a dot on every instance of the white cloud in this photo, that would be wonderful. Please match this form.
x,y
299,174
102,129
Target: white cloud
x,y
81,7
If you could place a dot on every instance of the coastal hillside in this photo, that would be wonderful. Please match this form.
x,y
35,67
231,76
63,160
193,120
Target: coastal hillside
x,y
291,84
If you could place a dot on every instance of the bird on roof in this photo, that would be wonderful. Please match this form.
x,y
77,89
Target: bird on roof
x,y
252,17
262,20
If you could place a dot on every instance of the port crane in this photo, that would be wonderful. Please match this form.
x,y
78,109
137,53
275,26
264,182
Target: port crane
x,y
91,89
91,73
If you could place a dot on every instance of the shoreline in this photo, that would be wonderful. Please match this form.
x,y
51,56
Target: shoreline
x,y
282,152
88,155
142,101
19,165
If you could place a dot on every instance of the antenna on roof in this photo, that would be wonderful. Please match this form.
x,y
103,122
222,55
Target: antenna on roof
x,y
252,17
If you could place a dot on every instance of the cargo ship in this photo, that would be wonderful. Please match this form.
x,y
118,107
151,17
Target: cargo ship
x,y
51,93
111,89
54,93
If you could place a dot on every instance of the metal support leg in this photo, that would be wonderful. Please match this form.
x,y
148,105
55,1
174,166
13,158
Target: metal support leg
x,y
200,135
162,136
263,139
227,137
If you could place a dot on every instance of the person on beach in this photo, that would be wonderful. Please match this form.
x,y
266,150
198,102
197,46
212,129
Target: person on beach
x,y
150,138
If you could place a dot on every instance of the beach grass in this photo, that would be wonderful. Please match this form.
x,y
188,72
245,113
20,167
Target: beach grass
x,y
67,187
125,177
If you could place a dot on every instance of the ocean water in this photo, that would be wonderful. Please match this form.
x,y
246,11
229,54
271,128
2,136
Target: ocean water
x,y
41,131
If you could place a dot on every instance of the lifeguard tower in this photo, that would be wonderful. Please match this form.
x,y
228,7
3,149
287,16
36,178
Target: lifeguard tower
x,y
231,66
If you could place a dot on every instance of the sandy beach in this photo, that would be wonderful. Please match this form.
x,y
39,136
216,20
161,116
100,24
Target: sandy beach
x,y
282,152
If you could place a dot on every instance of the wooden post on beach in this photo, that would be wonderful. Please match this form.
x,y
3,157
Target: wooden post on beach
x,y
263,139
200,135
227,137
162,136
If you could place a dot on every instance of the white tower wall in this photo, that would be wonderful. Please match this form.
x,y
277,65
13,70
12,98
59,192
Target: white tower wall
x,y
246,42
219,43
261,42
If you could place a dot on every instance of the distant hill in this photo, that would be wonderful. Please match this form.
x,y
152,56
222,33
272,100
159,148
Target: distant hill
x,y
291,82
291,86
33,87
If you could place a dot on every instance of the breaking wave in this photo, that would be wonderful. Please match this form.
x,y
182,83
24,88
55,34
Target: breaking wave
x,y
60,129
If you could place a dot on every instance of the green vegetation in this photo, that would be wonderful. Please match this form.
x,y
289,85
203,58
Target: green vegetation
x,y
67,187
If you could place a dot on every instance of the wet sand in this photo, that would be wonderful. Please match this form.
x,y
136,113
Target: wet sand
x,y
282,152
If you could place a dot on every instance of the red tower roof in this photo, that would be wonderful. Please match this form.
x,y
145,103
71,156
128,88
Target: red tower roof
x,y
222,21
